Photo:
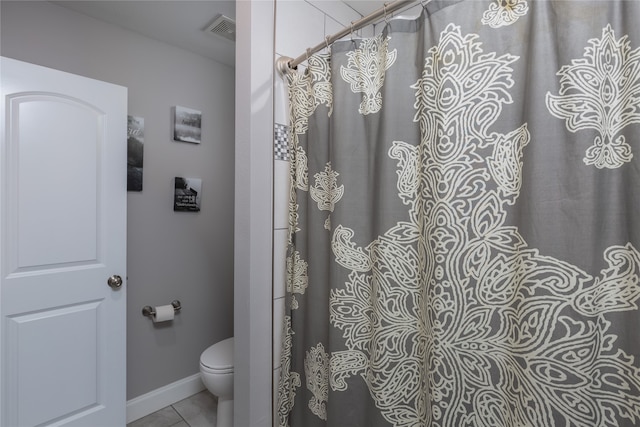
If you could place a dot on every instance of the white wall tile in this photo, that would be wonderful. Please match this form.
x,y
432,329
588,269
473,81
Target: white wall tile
x,y
278,317
365,7
337,10
299,25
281,99
279,262
280,194
331,26
334,27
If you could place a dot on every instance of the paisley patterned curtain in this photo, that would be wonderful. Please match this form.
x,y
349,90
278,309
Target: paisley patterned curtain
x,y
465,221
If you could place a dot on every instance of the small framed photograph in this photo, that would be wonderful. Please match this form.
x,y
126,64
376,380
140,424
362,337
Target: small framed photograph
x,y
187,194
187,125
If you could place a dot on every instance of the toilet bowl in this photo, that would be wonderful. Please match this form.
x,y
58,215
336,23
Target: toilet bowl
x,y
216,371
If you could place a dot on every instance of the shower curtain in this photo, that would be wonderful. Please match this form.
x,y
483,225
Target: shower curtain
x,y
464,227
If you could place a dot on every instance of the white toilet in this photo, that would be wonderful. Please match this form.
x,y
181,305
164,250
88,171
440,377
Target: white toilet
x,y
216,370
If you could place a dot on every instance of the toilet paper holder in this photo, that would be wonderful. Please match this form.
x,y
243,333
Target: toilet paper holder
x,y
149,311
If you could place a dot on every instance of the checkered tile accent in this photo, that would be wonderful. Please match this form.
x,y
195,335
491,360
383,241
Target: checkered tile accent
x,y
280,142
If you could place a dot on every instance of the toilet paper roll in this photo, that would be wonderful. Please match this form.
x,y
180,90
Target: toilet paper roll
x,y
163,313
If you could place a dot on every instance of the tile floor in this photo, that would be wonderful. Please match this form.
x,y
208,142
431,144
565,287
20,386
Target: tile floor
x,y
199,410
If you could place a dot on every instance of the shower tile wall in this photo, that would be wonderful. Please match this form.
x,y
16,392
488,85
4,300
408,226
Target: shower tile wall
x,y
299,25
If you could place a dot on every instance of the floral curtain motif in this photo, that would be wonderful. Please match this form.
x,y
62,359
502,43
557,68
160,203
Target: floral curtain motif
x,y
298,279
427,304
309,90
289,380
301,103
326,191
316,369
365,71
320,72
504,12
600,92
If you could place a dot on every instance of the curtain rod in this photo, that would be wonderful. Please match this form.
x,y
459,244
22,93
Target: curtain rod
x,y
285,64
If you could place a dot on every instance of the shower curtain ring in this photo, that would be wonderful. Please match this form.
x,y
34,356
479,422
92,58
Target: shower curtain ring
x,y
351,30
308,52
386,17
326,42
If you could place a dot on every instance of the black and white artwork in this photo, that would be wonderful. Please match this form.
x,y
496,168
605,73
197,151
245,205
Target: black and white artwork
x,y
187,125
187,194
135,152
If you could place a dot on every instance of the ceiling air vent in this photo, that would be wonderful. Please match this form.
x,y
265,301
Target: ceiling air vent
x,y
224,27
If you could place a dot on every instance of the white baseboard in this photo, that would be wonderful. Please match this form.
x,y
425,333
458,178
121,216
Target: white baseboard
x,y
159,398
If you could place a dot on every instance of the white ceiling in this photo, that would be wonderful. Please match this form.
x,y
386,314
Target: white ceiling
x,y
181,22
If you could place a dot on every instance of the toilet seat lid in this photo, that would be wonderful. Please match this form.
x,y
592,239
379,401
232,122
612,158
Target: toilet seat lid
x,y
219,356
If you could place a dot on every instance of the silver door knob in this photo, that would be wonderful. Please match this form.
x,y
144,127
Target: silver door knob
x,y
115,281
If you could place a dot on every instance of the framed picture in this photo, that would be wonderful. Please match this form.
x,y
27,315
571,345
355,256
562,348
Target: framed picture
x,y
187,194
187,125
135,152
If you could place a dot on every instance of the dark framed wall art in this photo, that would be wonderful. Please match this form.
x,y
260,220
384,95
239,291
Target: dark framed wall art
x,y
187,194
187,125
135,152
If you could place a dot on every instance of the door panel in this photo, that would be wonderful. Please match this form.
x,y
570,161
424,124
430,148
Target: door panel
x,y
63,228
37,382
66,231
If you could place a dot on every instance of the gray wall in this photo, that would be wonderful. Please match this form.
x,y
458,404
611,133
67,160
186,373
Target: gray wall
x,y
170,255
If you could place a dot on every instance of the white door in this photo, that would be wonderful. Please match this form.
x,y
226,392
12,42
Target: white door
x,y
63,235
